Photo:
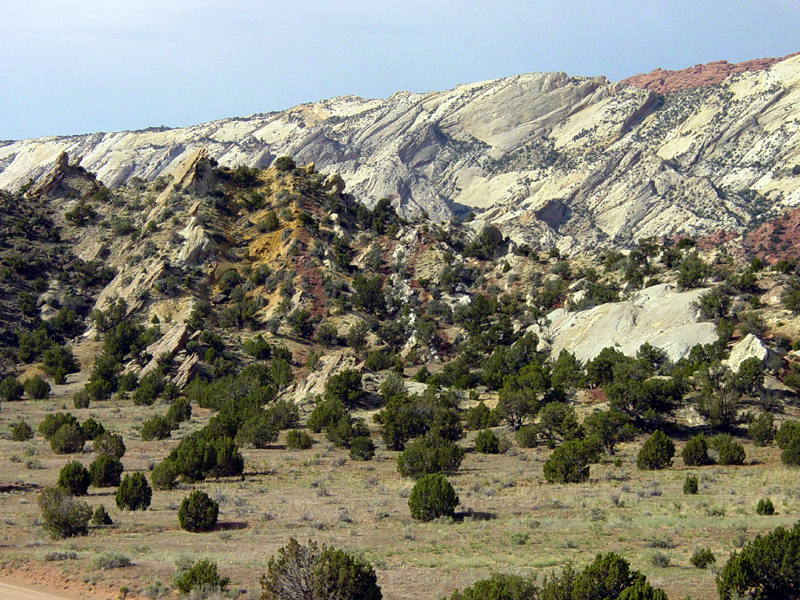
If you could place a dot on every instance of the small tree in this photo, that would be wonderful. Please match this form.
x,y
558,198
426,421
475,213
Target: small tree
x,y
791,451
21,431
569,463
36,388
157,427
767,567
92,429
198,512
306,572
487,442
362,448
611,427
729,452
62,515
179,411
202,574
429,454
432,497
101,516
134,493
74,478
702,558
11,389
297,439
656,453
110,444
105,471
690,485
762,430
695,452
345,386
765,507
68,439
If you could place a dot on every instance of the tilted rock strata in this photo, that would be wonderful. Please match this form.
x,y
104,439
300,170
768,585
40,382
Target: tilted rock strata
x,y
551,159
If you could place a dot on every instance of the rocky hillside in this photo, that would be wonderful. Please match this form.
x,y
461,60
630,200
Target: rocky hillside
x,y
552,160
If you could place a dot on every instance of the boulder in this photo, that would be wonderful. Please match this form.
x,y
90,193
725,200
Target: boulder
x,y
659,315
314,384
172,341
189,368
334,183
748,347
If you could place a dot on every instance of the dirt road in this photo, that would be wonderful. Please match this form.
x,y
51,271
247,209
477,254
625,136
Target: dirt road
x,y
17,590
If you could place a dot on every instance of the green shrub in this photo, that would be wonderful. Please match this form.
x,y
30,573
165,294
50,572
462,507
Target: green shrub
x,y
110,560
284,164
74,478
527,436
36,388
702,558
432,497
690,485
92,429
306,572
110,444
157,427
101,516
80,399
11,389
765,507
202,574
569,463
767,567
729,452
762,430
54,421
150,388
62,515
21,431
198,512
659,559
429,454
656,453
481,417
164,476
791,451
258,431
487,442
787,432
68,439
345,386
362,448
499,586
345,431
297,439
695,452
105,471
325,414
134,493
179,411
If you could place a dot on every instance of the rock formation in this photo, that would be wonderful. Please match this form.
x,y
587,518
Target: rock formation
x,y
551,159
661,81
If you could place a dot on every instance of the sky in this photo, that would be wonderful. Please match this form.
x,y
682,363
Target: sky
x,y
84,66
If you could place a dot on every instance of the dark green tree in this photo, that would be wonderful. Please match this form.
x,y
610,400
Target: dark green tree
x,y
432,497
198,512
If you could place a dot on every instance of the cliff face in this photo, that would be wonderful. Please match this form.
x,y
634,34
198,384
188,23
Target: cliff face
x,y
662,81
551,159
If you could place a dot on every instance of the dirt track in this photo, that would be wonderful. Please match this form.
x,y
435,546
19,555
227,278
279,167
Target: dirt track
x,y
16,590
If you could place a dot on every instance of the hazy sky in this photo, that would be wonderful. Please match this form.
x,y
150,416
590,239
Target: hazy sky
x,y
81,66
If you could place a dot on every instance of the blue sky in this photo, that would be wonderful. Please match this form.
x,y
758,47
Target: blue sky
x,y
82,66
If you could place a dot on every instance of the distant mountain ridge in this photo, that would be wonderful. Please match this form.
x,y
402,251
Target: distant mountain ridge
x,y
553,160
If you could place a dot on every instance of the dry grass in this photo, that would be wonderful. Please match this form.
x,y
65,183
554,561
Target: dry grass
x,y
362,507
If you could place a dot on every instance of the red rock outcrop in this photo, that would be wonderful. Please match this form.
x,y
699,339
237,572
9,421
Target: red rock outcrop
x,y
662,81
